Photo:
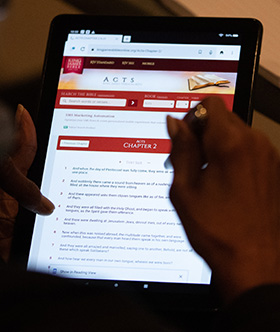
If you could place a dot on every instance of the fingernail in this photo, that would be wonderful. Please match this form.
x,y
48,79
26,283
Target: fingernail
x,y
47,206
172,126
19,112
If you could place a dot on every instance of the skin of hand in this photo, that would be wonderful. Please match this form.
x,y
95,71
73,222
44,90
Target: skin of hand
x,y
231,209
15,187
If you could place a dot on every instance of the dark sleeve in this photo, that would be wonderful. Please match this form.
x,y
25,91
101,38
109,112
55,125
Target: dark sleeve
x,y
257,310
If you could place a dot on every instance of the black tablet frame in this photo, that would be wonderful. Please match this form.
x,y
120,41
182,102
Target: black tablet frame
x,y
251,31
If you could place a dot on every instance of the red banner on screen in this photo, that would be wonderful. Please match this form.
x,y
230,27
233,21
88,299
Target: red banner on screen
x,y
114,144
154,64
135,100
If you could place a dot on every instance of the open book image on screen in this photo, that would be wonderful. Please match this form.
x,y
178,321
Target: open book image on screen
x,y
108,86
206,80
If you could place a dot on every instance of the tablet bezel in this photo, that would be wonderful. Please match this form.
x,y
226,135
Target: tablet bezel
x,y
251,31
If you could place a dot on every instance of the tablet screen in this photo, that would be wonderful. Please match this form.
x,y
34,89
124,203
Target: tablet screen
x,y
105,167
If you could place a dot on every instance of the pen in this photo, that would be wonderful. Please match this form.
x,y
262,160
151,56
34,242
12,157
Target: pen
x,y
196,119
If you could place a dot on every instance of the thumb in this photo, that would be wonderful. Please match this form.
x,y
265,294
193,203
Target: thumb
x,y
17,185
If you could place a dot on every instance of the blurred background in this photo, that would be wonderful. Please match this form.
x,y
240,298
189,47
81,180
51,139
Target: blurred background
x,y
24,26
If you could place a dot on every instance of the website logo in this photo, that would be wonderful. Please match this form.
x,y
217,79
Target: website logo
x,y
73,65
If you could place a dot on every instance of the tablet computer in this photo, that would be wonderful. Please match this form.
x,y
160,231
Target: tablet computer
x,y
108,85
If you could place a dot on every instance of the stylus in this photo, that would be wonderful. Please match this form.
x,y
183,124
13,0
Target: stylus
x,y
196,119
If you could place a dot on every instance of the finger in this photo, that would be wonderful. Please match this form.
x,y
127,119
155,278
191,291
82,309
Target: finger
x,y
13,182
25,142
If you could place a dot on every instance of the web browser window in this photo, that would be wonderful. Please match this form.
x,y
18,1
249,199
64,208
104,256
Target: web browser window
x,y
105,166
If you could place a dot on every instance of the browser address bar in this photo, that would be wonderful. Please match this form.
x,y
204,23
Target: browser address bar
x,y
115,102
145,50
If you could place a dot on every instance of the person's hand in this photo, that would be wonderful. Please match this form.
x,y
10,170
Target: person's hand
x,y
14,185
231,209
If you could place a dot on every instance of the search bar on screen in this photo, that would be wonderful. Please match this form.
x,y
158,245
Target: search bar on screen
x,y
114,102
